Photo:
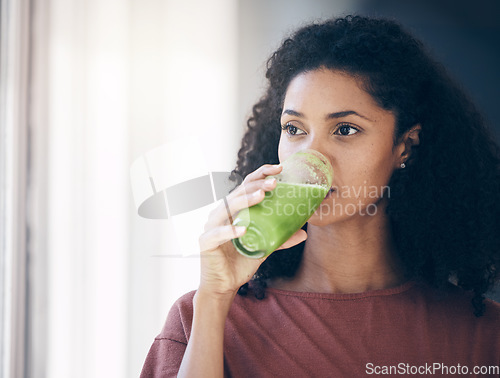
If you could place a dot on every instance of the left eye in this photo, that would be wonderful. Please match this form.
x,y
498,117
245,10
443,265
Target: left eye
x,y
346,130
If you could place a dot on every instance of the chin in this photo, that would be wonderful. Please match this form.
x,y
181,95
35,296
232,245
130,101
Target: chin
x,y
318,219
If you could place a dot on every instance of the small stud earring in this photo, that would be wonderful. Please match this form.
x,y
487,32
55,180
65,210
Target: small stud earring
x,y
403,165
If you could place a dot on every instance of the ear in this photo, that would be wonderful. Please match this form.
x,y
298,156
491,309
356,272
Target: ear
x,y
408,141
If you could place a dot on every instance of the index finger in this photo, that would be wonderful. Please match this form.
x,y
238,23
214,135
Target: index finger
x,y
263,171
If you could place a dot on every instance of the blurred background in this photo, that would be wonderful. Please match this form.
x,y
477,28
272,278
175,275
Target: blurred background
x,y
88,88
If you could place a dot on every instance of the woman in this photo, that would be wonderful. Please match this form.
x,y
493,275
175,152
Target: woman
x,y
365,291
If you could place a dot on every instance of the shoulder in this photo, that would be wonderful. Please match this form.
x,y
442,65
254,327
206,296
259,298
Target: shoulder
x,y
166,353
178,324
455,302
492,309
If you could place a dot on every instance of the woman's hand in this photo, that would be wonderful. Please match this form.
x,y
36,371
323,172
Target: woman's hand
x,y
223,269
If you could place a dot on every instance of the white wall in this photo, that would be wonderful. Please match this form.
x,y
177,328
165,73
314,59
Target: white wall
x,y
113,80
184,80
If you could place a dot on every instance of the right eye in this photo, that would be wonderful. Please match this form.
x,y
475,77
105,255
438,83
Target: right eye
x,y
292,129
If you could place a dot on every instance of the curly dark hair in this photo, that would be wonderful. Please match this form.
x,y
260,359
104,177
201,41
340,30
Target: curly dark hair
x,y
444,207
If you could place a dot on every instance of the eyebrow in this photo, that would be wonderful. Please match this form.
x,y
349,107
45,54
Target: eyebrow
x,y
346,113
292,113
341,114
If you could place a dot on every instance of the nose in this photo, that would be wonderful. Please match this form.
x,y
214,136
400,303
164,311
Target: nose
x,y
320,144
313,141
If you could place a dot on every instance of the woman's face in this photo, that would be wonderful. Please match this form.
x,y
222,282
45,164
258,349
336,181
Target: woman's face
x,y
328,111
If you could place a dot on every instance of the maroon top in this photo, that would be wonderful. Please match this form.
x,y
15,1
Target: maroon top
x,y
409,329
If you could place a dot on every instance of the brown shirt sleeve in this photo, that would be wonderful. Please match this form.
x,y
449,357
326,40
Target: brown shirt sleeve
x,y
166,353
164,359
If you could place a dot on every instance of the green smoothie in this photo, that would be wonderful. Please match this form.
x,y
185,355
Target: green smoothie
x,y
282,212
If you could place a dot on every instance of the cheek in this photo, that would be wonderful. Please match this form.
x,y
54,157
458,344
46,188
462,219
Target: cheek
x,y
378,173
284,149
367,169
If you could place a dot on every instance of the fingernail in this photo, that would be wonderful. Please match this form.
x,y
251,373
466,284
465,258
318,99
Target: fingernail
x,y
257,193
269,182
239,230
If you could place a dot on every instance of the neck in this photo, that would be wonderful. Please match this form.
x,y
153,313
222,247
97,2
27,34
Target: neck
x,y
352,256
